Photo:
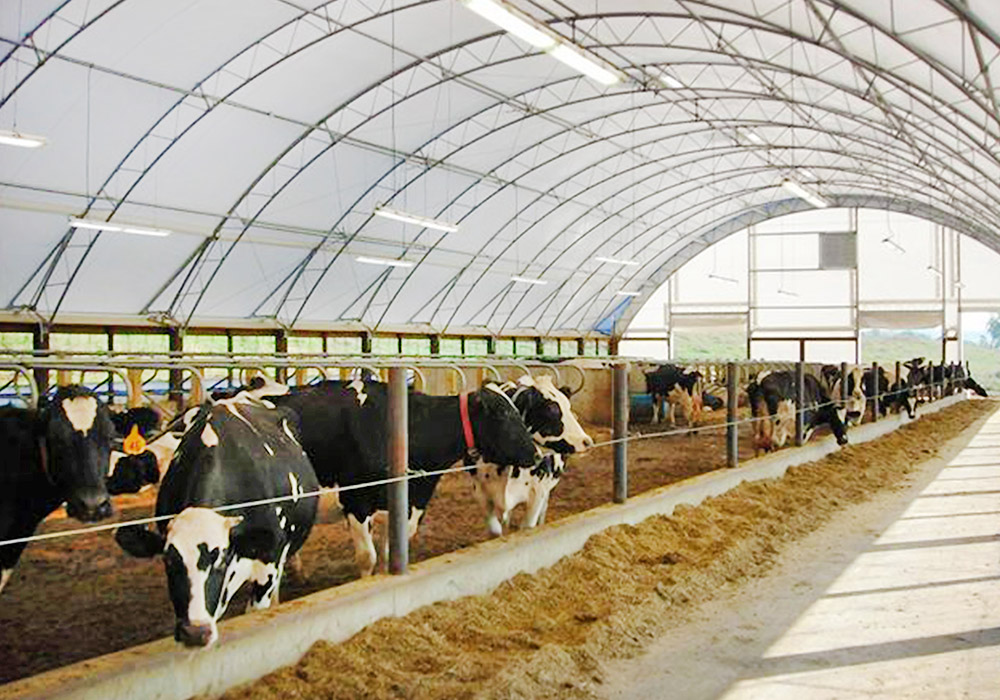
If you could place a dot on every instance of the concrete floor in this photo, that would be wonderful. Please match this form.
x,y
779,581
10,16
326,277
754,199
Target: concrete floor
x,y
898,598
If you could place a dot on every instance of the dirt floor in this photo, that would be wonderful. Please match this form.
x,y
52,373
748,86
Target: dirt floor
x,y
547,635
75,598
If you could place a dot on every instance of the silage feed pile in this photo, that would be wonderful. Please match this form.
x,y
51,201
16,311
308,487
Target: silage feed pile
x,y
546,634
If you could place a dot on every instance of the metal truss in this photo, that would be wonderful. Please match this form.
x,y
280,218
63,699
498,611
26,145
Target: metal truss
x,y
946,166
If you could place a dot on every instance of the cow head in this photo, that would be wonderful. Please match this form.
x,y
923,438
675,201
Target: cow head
x,y
548,415
500,433
76,434
207,557
784,423
852,410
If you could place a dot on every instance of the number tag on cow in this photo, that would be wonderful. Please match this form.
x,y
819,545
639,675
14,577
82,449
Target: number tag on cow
x,y
134,443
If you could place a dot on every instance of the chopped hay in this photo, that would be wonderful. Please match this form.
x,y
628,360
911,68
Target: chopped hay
x,y
545,635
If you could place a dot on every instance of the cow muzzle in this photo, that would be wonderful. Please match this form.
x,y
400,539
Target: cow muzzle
x,y
89,505
194,635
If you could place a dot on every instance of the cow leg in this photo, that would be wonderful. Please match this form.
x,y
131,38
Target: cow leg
x,y
414,522
656,409
14,523
538,501
297,570
487,481
364,547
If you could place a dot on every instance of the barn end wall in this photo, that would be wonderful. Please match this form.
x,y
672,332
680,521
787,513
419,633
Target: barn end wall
x,y
253,645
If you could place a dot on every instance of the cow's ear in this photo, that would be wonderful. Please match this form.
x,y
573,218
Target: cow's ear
x,y
254,542
139,541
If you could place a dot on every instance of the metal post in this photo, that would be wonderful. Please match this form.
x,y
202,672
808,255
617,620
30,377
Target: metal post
x,y
876,401
399,502
619,419
366,344
732,430
435,345
176,348
844,390
281,348
491,345
40,344
899,383
581,347
539,346
800,402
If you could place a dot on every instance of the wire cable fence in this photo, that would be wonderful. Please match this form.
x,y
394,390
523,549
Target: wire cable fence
x,y
425,474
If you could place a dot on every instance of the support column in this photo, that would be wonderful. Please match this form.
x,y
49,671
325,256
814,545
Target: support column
x,y
435,345
366,344
399,506
581,347
732,430
281,348
800,403
40,345
491,345
844,392
175,393
539,347
899,381
876,400
613,345
619,417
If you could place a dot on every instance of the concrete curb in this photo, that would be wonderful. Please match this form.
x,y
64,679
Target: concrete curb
x,y
254,645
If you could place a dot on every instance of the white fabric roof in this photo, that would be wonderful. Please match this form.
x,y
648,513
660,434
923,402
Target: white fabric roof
x,y
263,133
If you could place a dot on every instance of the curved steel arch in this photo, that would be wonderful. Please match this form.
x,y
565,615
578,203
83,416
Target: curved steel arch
x,y
875,69
869,23
748,218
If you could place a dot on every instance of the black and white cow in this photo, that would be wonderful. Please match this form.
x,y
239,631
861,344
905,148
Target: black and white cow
x,y
345,433
547,413
236,451
56,454
140,463
894,393
851,411
677,387
772,402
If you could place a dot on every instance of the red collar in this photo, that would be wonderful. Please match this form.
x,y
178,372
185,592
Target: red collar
x,y
463,409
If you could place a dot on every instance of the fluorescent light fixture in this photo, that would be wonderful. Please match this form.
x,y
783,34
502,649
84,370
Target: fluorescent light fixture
x,y
807,174
787,293
118,227
577,60
959,284
408,218
713,276
388,262
616,261
513,21
16,138
804,193
889,241
527,280
669,80
623,293
934,270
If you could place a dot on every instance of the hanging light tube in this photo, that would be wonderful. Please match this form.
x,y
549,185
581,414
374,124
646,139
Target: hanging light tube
x,y
527,280
513,21
16,138
889,241
623,293
577,60
539,35
713,276
406,217
388,262
669,81
804,193
118,227
935,270
616,261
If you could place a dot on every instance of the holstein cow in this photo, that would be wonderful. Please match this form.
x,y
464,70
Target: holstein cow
x,y
894,393
236,451
53,455
851,411
547,413
679,388
140,463
345,433
772,403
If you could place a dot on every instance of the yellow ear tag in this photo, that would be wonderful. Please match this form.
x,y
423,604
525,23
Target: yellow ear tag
x,y
134,444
